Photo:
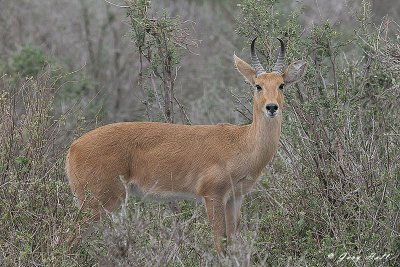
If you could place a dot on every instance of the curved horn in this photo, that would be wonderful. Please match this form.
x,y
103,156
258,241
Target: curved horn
x,y
254,60
280,62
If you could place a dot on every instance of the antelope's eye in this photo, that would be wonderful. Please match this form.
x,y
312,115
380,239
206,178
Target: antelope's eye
x,y
281,86
258,87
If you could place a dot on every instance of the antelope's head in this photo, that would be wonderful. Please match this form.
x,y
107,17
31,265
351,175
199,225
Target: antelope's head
x,y
268,93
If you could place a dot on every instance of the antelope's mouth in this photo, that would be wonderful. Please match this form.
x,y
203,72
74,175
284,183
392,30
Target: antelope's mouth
x,y
270,115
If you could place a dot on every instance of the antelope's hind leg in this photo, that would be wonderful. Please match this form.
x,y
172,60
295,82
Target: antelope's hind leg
x,y
215,207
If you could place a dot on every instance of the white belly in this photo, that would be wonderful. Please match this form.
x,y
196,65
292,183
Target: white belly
x,y
155,194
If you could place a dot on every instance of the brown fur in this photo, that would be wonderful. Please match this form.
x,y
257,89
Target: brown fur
x,y
218,163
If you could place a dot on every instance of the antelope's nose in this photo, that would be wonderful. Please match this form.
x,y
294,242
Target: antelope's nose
x,y
272,108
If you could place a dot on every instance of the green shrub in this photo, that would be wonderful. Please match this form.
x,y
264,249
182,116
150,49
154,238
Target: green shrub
x,y
29,61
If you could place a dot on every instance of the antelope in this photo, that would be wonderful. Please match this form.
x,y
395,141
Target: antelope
x,y
218,164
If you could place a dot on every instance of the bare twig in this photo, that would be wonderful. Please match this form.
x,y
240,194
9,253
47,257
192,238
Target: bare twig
x,y
108,2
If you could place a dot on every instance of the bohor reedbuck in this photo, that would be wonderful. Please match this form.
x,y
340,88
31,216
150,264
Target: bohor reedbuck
x,y
218,164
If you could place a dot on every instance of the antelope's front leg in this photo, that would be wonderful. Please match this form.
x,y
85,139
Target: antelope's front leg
x,y
215,207
232,216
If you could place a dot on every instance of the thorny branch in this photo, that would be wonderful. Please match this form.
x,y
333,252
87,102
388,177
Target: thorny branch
x,y
161,41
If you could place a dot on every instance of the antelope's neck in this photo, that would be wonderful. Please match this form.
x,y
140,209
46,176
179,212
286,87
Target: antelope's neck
x,y
264,134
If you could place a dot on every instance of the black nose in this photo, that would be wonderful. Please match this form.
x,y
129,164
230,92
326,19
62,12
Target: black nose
x,y
272,108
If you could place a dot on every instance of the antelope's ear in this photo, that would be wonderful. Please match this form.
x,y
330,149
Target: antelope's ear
x,y
294,72
245,69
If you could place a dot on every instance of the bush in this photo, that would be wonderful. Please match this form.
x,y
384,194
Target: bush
x,y
76,88
29,61
336,178
36,206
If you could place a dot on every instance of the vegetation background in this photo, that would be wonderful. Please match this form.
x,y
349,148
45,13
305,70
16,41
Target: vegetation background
x,y
331,196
